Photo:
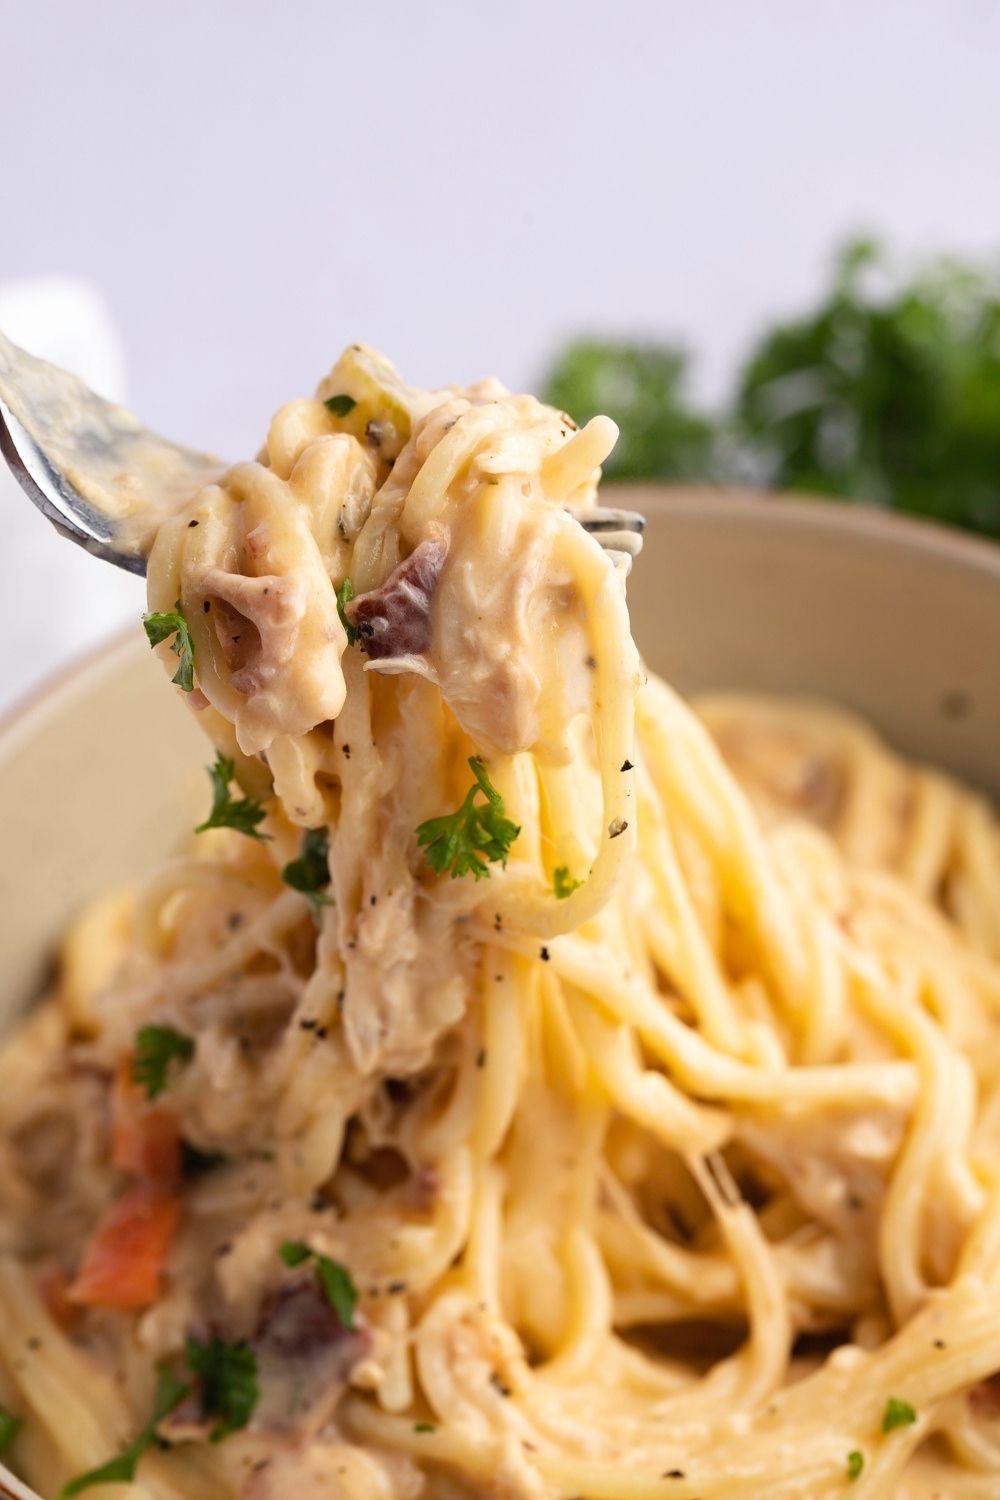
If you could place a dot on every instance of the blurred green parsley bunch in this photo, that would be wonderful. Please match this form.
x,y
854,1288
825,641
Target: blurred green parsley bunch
x,y
889,392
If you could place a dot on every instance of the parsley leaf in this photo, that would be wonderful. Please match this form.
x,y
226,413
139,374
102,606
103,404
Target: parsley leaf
x,y
563,883
159,627
855,1463
156,1047
228,1378
897,1414
295,1252
424,1427
10,1426
462,841
335,1279
344,596
241,813
310,873
121,1470
340,405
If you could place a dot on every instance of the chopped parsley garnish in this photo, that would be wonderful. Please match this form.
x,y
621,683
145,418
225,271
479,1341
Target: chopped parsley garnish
x,y
241,813
461,842
897,1414
121,1470
335,1279
310,873
340,405
156,1047
344,596
227,1375
159,627
855,1463
424,1427
563,882
10,1426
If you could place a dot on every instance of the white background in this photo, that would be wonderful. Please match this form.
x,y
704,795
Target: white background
x,y
252,185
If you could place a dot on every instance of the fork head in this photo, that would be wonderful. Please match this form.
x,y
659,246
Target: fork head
x,y
100,477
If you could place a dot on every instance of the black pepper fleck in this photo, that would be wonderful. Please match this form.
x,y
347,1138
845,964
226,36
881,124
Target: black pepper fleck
x,y
616,827
627,765
544,955
481,1058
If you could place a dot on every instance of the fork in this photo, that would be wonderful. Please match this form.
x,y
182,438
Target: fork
x,y
108,483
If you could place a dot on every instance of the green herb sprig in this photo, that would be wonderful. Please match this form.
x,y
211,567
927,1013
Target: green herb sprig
x,y
335,1279
855,1464
340,405
463,842
227,1376
344,596
156,1047
241,813
10,1426
897,1414
310,873
563,883
160,625
170,1392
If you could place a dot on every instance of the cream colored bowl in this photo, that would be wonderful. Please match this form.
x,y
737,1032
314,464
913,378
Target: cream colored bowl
x,y
101,773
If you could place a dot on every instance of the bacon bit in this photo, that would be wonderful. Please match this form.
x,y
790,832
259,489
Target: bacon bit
x,y
145,1142
984,1399
53,1288
304,1356
395,619
124,1262
426,1188
385,1168
238,637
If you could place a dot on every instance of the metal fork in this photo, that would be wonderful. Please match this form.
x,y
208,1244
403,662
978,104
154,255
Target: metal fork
x,y
108,483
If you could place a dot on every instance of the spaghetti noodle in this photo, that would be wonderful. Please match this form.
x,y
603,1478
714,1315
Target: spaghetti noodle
x,y
525,1087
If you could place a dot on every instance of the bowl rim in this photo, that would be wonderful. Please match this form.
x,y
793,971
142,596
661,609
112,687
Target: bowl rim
x,y
820,513
799,510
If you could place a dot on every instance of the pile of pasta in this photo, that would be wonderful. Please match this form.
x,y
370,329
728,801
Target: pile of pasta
x,y
566,1094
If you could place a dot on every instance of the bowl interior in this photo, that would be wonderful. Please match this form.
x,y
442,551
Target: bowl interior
x,y
101,775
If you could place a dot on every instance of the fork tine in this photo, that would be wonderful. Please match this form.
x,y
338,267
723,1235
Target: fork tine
x,y
609,519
